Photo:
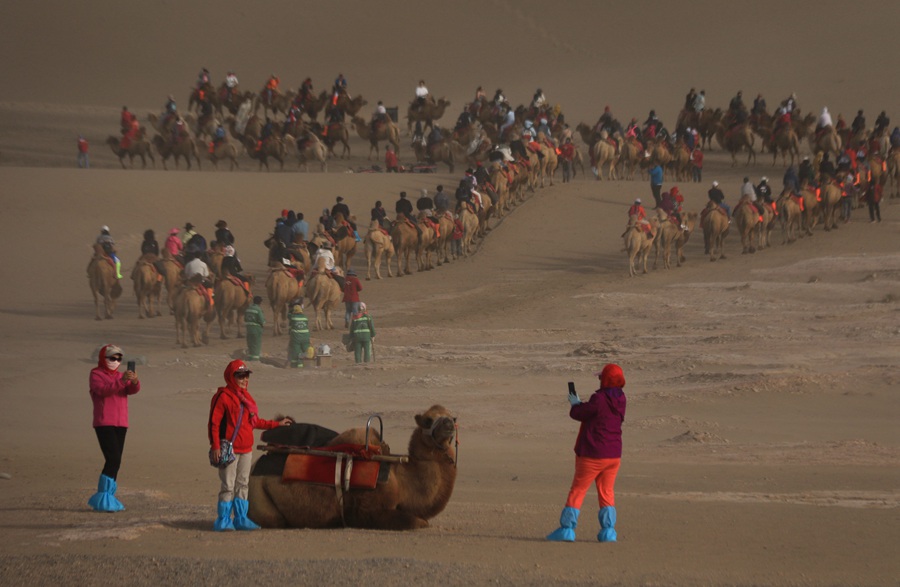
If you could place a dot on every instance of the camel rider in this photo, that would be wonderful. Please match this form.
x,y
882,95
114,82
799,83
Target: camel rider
x,y
170,110
196,273
202,78
189,233
434,137
326,253
298,329
418,136
633,130
306,91
254,320
290,119
652,125
499,98
759,105
127,120
824,121
344,209
231,83
108,245
826,168
464,196
538,100
689,99
326,220
179,131
340,87
507,124
544,128
881,123
895,138
266,133
362,331
807,173
272,88
379,117
206,110
700,102
791,181
716,195
605,122
737,103
421,95
764,191
149,246
425,205
790,104
223,234
336,116
231,265
219,135
637,212
441,200
379,215
463,121
859,123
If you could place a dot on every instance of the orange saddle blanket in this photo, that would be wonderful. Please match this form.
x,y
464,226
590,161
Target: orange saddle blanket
x,y
333,470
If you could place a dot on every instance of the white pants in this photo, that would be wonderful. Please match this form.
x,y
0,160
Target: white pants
x,y
235,478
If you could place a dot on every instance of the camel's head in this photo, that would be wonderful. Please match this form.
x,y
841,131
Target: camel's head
x,y
438,426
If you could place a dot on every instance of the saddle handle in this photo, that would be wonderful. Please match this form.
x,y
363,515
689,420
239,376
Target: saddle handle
x,y
380,428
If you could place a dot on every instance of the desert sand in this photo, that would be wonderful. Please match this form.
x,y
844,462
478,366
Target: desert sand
x,y
761,438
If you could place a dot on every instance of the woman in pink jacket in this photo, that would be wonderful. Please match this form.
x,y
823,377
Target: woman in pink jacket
x,y
109,391
233,407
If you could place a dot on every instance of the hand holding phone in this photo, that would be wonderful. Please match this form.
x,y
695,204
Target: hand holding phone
x,y
572,388
130,366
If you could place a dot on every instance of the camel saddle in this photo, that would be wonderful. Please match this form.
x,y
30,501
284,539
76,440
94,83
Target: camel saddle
x,y
206,293
351,467
434,226
798,199
241,284
718,208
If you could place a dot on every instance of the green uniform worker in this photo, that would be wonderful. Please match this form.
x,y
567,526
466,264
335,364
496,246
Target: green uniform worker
x,y
299,331
363,331
254,319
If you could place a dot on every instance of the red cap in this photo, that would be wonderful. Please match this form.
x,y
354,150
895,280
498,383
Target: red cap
x,y
611,376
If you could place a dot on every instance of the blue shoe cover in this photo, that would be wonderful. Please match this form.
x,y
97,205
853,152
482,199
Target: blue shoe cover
x,y
105,498
568,521
607,518
356,234
223,521
241,521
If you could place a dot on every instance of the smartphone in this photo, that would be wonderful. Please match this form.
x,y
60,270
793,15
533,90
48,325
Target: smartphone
x,y
131,366
571,388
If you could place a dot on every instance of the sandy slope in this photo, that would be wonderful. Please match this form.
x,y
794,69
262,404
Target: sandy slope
x,y
761,442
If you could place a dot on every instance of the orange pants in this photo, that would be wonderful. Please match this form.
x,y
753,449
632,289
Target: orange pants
x,y
601,472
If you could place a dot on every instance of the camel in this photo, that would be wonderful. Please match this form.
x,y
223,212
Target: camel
x,y
379,243
638,242
444,151
231,301
222,151
672,234
550,160
186,148
709,122
280,103
827,141
810,214
282,288
786,142
500,180
102,278
427,113
138,148
337,132
831,203
736,140
324,293
470,227
313,105
442,242
602,153
630,157
746,221
714,222
344,242
173,277
191,307
385,132
406,240
313,150
272,147
414,491
790,217
346,104
147,285
681,161
893,171
426,247
252,128
231,99
764,228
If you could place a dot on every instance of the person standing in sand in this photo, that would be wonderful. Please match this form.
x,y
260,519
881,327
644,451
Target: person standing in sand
x,y
598,454
83,160
233,415
109,392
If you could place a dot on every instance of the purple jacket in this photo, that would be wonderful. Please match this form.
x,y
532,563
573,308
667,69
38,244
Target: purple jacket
x,y
601,417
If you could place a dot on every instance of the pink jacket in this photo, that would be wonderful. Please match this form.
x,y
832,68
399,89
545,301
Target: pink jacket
x,y
109,393
174,244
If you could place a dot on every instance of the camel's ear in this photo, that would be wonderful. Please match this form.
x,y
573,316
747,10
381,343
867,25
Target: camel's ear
x,y
423,421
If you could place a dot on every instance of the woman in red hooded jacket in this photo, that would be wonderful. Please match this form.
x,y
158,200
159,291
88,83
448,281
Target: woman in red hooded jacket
x,y
109,391
598,452
233,407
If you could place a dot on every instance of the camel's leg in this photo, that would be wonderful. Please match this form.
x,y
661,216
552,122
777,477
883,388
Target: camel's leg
x,y
222,319
97,304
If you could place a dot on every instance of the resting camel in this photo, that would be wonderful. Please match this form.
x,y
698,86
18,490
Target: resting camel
x,y
746,221
827,141
102,278
427,113
147,285
231,302
413,492
714,222
602,153
638,242
378,242
831,203
282,288
406,240
191,307
138,148
671,234
736,140
385,132
790,216
222,151
186,148
324,293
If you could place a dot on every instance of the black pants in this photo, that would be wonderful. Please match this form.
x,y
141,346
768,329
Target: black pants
x,y
656,189
112,443
874,210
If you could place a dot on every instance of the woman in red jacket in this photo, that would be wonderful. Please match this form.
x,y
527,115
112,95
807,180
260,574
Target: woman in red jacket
x,y
109,391
598,452
233,407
